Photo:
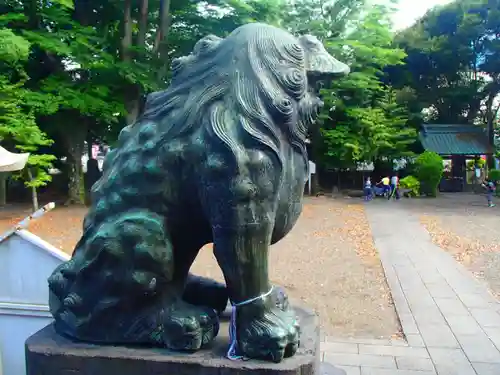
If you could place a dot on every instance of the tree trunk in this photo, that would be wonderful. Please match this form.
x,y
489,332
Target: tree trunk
x,y
491,114
159,47
315,182
3,188
75,180
75,143
143,24
34,194
31,10
89,141
89,162
133,91
132,103
131,99
127,30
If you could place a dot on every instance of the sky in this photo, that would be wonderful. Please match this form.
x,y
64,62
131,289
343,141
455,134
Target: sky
x,y
411,10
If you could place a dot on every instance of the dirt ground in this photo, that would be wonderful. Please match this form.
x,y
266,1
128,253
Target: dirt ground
x,y
328,262
467,229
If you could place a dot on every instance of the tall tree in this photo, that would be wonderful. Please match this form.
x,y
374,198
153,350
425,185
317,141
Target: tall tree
x,y
18,109
98,59
68,64
326,19
364,118
453,62
368,121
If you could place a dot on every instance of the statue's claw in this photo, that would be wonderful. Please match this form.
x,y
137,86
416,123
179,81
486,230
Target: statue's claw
x,y
272,335
188,328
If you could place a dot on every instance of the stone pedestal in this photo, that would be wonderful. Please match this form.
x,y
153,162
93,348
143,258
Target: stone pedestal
x,y
48,353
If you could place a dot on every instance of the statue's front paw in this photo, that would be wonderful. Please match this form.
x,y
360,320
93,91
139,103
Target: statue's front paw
x,y
271,335
187,327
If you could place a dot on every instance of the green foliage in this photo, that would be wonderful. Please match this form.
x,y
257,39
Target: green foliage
x,y
494,174
38,166
367,119
328,20
18,108
72,70
459,44
77,64
13,48
412,183
429,170
473,164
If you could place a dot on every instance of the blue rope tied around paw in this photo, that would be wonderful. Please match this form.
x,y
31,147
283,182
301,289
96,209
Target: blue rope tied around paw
x,y
233,347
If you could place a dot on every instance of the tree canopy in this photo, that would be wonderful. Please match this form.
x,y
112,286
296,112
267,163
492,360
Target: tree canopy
x,y
74,72
453,63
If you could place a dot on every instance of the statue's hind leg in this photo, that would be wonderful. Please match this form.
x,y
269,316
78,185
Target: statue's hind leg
x,y
133,297
202,291
199,291
187,326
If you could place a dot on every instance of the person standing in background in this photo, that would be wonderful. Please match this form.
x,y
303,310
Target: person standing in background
x,y
386,186
394,186
491,187
367,189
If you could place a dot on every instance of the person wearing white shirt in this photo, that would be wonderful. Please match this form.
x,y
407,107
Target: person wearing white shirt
x,y
394,186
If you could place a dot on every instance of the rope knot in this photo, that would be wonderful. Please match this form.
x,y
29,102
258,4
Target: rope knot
x,y
233,347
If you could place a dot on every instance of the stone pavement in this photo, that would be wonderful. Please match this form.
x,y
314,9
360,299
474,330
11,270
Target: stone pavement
x,y
450,320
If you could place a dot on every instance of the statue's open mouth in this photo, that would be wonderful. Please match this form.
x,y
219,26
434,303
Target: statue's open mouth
x,y
322,68
317,81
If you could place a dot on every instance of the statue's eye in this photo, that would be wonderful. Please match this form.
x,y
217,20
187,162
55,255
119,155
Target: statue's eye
x,y
312,45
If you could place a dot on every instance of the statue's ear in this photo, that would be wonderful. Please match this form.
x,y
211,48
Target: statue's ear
x,y
206,45
179,63
318,60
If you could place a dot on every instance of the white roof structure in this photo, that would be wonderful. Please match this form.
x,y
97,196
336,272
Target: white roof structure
x,y
10,162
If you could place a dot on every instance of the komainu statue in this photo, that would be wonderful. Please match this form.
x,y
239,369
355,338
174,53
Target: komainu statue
x,y
220,157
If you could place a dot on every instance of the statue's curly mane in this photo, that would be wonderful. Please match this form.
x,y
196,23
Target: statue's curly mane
x,y
253,81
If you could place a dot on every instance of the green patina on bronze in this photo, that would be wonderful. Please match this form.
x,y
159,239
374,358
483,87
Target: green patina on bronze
x,y
217,157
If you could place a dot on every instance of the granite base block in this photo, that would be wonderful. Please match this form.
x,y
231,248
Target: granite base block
x,y
48,353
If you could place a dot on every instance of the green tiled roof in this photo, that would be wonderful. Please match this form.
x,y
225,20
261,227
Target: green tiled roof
x,y
450,139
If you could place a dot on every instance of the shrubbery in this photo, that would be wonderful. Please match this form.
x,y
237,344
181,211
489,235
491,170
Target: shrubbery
x,y
429,170
412,183
472,164
494,175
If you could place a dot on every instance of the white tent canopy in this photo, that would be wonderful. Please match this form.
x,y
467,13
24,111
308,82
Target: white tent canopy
x,y
10,162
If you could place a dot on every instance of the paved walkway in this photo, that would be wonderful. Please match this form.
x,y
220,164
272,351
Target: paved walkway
x,y
450,321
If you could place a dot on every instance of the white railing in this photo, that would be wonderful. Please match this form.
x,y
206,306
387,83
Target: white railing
x,y
26,261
